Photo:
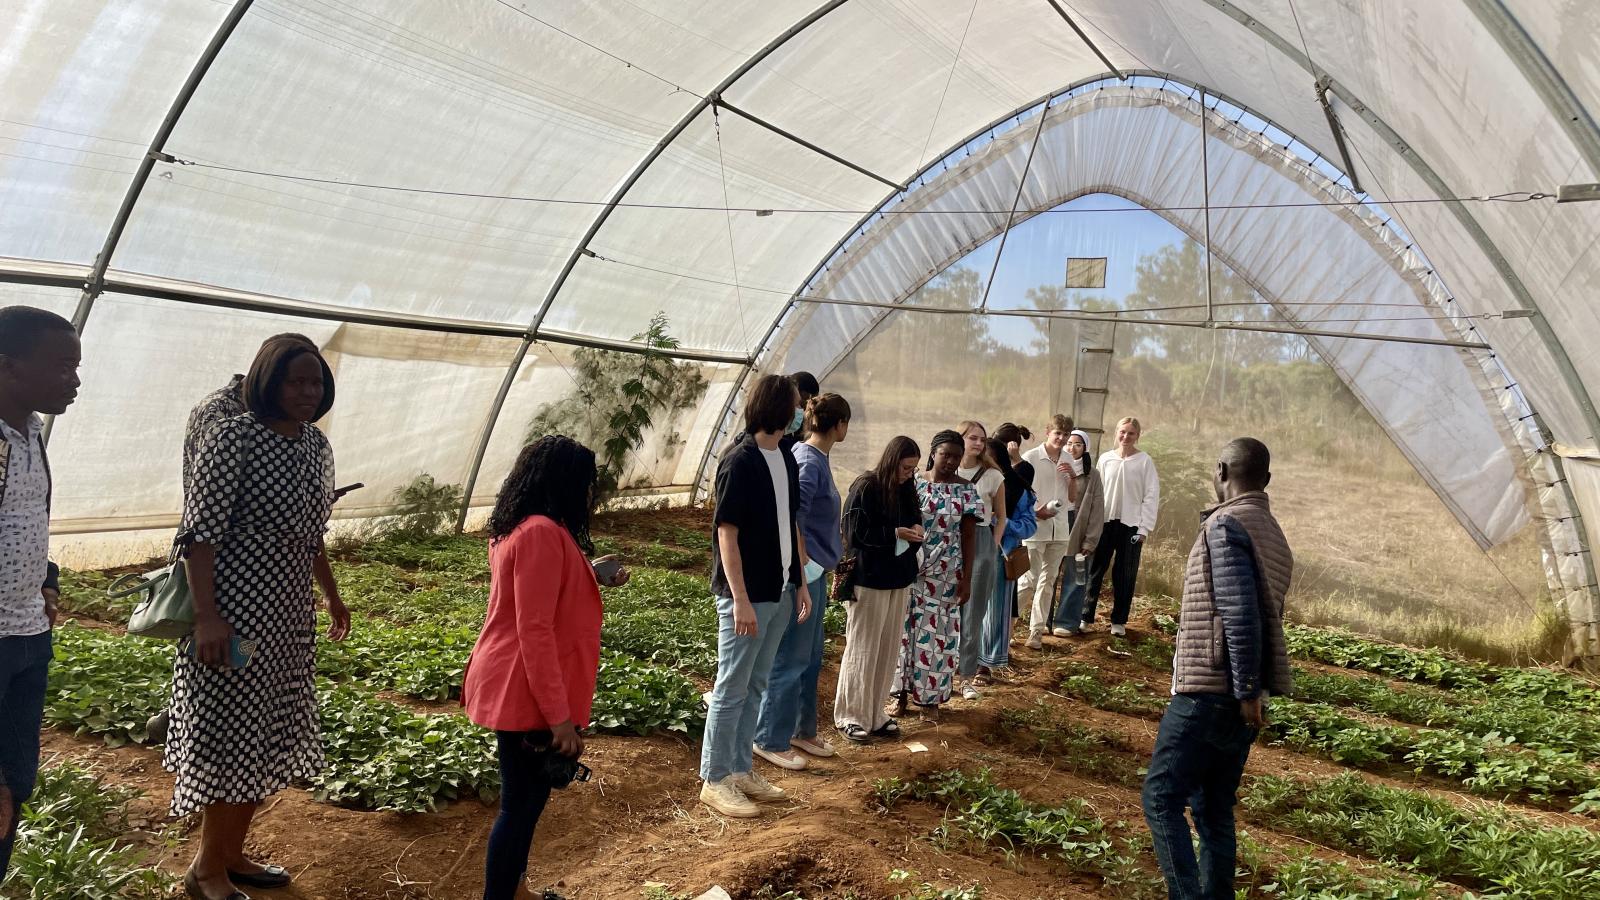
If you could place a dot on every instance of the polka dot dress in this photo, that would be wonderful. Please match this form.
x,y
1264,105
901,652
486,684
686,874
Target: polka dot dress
x,y
262,500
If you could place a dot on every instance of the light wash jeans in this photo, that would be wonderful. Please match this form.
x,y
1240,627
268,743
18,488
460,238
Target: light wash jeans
x,y
790,707
743,666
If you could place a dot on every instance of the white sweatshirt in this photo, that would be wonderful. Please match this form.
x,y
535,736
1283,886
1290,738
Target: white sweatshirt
x,y
1133,490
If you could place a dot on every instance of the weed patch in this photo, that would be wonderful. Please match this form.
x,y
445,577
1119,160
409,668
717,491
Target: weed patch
x,y
68,843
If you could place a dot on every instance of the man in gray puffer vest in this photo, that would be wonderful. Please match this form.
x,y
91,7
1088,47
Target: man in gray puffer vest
x,y
1230,656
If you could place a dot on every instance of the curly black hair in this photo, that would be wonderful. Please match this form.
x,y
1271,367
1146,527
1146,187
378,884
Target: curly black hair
x,y
553,476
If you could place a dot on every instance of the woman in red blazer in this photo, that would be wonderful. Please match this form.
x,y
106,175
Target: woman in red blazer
x,y
531,675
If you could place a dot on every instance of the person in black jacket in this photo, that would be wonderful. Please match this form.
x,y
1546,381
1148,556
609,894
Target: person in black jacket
x,y
882,530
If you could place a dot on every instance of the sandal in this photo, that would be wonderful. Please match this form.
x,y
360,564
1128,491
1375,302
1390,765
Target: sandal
x,y
854,733
268,877
191,886
888,729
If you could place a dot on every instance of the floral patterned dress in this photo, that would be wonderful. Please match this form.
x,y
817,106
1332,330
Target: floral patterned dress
x,y
930,644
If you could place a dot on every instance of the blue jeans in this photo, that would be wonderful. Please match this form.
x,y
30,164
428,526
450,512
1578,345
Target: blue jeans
x,y
1069,605
24,666
789,709
1199,757
743,666
995,652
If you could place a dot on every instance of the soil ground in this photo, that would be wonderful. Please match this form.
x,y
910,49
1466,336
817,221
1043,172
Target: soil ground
x,y
639,822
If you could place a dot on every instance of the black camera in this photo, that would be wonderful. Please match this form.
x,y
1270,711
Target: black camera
x,y
560,770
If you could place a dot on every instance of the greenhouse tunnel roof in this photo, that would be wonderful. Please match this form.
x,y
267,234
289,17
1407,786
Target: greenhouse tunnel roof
x,y
459,196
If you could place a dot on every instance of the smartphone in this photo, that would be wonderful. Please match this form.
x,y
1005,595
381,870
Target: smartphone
x,y
340,492
606,570
240,650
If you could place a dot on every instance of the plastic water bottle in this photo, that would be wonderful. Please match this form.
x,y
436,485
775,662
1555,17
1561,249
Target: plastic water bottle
x,y
1080,569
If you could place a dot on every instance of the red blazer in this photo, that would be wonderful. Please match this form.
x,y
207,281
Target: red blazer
x,y
535,661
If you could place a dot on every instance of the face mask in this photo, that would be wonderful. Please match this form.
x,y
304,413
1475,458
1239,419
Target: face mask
x,y
798,420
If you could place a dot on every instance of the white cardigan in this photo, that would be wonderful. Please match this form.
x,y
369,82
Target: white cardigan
x,y
1133,490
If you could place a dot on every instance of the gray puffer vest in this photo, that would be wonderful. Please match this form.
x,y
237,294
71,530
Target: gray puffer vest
x,y
1201,662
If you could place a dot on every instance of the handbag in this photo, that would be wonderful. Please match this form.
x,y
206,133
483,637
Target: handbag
x,y
1016,563
167,610
844,579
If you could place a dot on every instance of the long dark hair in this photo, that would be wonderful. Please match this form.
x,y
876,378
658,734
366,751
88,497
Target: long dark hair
x,y
554,476
1002,461
880,479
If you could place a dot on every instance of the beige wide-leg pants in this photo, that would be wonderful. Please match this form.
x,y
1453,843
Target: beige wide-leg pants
x,y
874,623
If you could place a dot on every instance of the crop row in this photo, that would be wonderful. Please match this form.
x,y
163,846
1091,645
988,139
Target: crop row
x,y
1489,767
1551,688
1494,851
1519,706
980,811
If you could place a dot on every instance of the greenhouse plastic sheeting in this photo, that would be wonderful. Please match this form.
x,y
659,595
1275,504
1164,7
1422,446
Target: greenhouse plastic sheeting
x,y
537,173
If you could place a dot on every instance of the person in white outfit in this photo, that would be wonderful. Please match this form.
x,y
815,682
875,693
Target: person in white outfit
x,y
1055,489
1133,498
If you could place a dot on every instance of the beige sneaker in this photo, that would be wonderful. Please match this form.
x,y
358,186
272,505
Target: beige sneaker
x,y
725,797
753,786
1035,642
783,759
817,746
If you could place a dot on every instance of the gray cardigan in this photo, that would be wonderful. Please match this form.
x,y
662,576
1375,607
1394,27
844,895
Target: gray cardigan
x,y
1091,517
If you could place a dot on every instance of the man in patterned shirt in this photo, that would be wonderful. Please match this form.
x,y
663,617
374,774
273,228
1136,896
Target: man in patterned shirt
x,y
39,357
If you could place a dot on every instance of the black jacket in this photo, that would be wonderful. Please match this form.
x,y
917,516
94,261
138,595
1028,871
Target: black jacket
x,y
869,534
746,500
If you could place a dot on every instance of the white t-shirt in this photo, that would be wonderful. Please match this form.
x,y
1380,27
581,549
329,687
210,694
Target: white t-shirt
x,y
987,483
780,489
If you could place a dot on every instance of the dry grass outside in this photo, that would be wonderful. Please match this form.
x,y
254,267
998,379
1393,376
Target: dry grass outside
x,y
1385,558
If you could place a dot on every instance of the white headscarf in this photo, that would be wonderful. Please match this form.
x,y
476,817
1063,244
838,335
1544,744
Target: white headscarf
x,y
1084,463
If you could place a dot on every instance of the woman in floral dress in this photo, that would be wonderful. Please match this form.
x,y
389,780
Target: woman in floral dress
x,y
930,644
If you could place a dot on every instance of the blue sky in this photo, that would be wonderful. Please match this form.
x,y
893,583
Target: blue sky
x,y
1036,253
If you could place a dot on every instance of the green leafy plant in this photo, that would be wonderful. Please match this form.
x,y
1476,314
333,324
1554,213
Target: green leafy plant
x,y
1488,849
106,683
619,397
69,843
420,509
989,814
382,756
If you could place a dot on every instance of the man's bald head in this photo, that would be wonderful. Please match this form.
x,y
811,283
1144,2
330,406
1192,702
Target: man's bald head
x,y
1245,465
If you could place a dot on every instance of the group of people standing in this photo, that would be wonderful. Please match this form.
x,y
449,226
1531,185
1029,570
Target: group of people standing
x,y
926,551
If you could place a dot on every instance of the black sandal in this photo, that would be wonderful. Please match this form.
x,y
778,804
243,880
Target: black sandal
x,y
268,877
890,729
191,886
854,733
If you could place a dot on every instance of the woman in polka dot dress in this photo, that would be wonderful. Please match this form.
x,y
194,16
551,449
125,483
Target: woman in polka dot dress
x,y
255,508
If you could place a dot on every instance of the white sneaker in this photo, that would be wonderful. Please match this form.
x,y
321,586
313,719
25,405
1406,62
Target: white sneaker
x,y
1060,632
726,798
817,746
1119,631
783,759
1035,642
968,692
753,786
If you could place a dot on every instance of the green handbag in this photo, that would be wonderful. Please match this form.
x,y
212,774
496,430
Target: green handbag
x,y
167,610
